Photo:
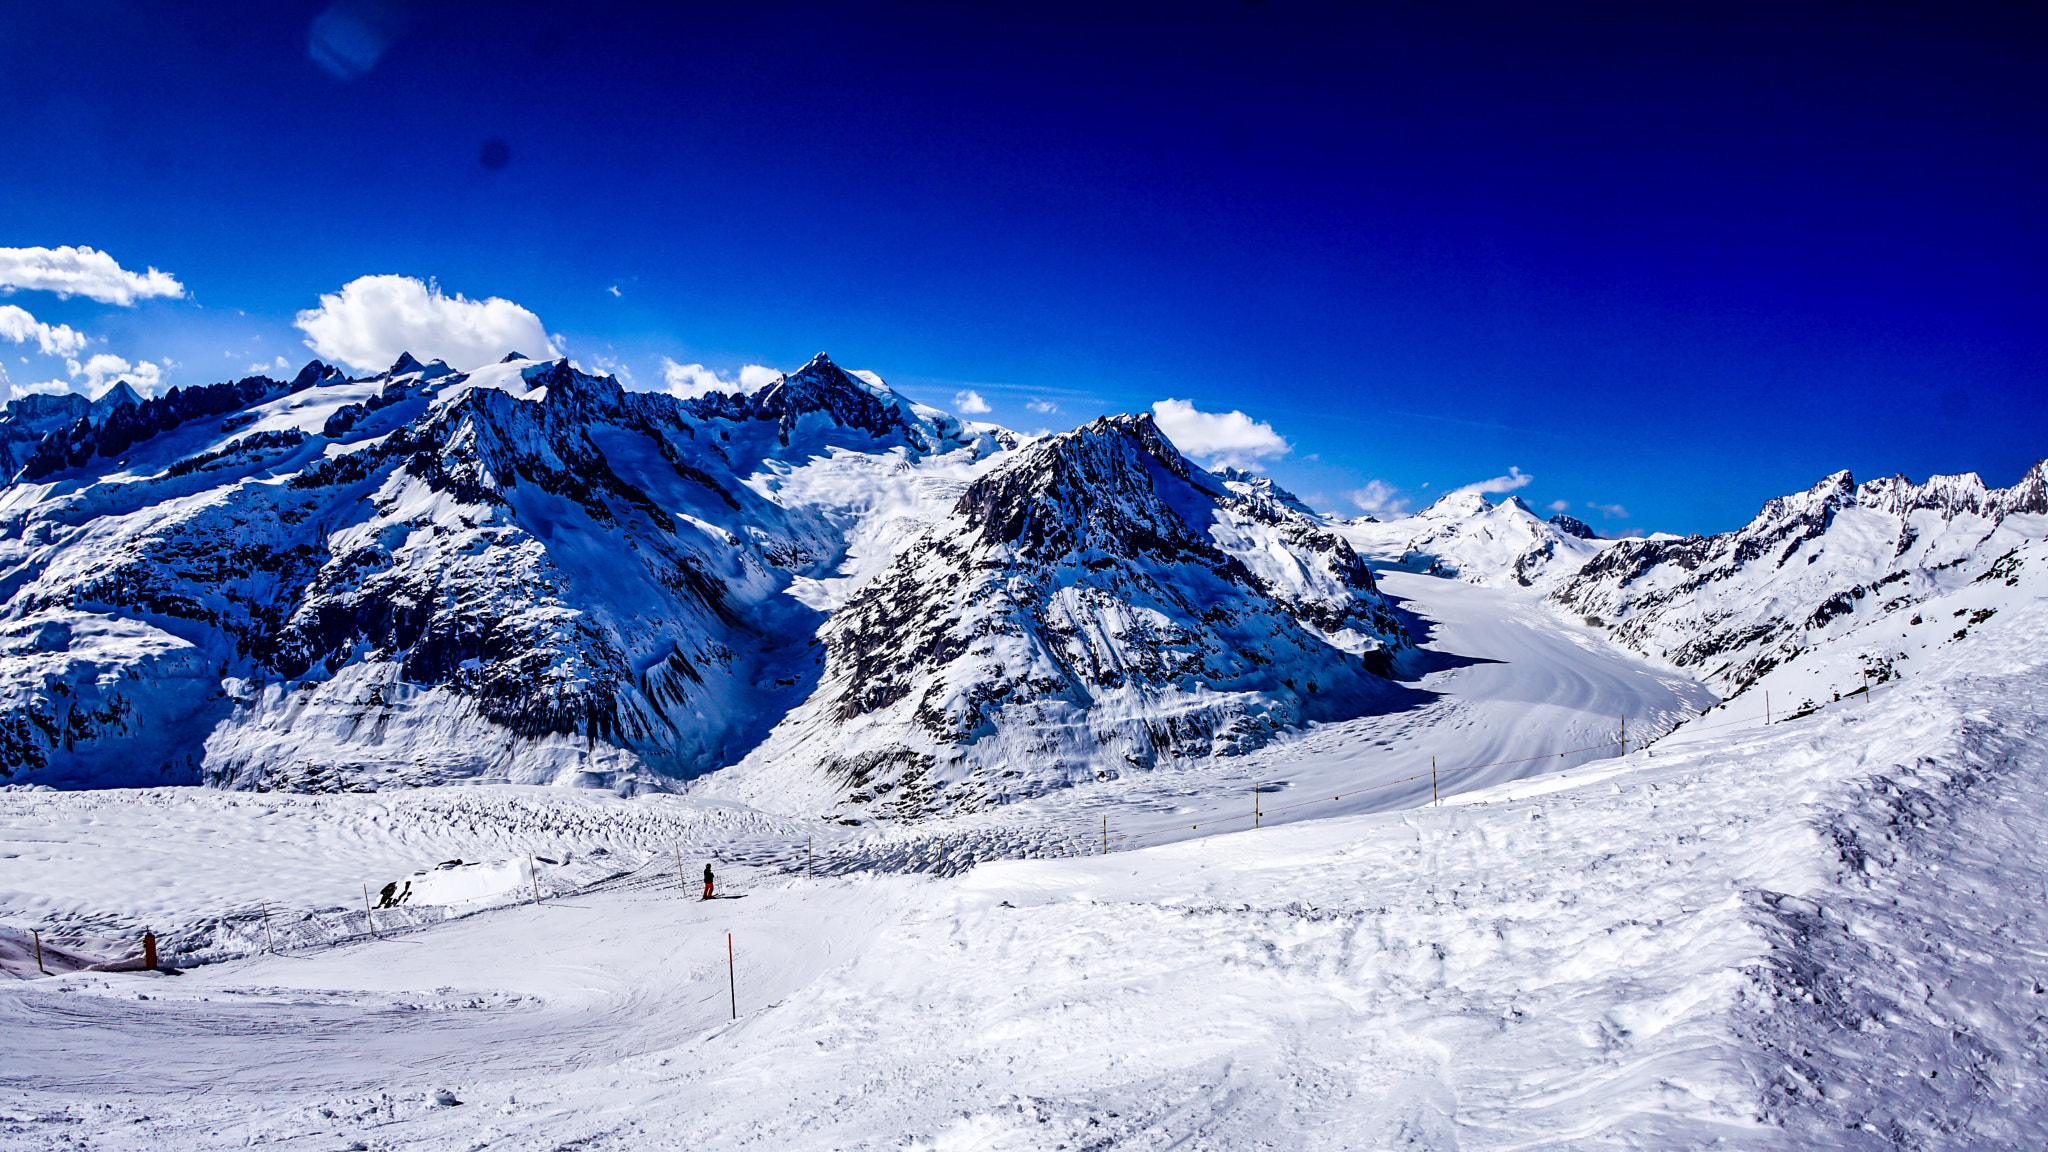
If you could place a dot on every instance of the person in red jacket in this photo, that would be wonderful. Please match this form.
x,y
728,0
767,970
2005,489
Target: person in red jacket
x,y
707,881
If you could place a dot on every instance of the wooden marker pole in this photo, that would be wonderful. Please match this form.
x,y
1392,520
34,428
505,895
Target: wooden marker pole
x,y
732,985
1767,709
269,945
1624,734
1866,685
369,914
1434,800
39,952
533,870
807,857
682,877
1105,835
1255,804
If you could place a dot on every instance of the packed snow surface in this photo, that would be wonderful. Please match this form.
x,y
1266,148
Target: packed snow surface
x,y
1824,932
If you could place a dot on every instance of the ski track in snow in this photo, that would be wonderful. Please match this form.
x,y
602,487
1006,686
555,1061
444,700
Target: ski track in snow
x,y
1824,933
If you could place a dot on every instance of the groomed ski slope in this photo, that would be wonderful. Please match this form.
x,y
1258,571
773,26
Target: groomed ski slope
x,y
1825,933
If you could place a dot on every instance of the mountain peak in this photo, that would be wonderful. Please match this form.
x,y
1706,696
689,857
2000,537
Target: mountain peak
x,y
405,363
1573,526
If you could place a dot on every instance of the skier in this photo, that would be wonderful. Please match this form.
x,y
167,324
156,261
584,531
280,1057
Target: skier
x,y
707,881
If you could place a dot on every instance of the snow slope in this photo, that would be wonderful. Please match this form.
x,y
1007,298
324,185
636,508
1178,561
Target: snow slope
x,y
1825,933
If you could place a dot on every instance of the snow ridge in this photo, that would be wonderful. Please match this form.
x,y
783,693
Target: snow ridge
x,y
1810,565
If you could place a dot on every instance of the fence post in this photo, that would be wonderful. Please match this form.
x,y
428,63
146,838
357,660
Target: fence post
x,y
149,949
369,914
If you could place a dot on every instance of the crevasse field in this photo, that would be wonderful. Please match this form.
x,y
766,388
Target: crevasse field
x,y
1826,932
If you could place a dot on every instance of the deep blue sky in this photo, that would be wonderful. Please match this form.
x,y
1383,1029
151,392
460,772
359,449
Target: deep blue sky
x,y
1678,260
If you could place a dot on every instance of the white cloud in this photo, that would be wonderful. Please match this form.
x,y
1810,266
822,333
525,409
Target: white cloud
x,y
375,318
106,369
970,403
1515,478
691,380
1042,407
53,339
614,290
82,272
1379,498
1226,439
1611,511
1560,505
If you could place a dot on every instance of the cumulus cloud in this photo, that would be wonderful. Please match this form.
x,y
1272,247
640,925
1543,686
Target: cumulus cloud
x,y
1611,511
53,339
1560,505
1515,478
1379,498
688,381
106,369
1042,407
82,272
1225,439
375,318
970,403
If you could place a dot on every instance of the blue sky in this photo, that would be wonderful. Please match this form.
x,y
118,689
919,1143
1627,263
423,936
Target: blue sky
x,y
1661,264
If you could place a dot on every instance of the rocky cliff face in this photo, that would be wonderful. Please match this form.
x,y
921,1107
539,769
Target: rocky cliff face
x,y
1092,605
1731,607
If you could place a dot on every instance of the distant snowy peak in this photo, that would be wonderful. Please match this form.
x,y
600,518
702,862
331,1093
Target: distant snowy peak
x,y
1735,605
1263,492
1572,526
1465,536
838,401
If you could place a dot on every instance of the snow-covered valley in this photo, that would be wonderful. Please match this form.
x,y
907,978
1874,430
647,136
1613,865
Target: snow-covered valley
x,y
1823,933
1069,795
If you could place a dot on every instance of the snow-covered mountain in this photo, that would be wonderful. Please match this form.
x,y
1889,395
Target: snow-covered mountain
x,y
527,573
1465,536
1093,604
1813,565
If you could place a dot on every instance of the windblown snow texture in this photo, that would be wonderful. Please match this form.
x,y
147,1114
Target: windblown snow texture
x,y
525,573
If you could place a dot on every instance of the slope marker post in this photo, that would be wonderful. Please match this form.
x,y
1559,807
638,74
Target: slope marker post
x,y
1434,800
269,945
533,871
369,914
38,934
732,985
